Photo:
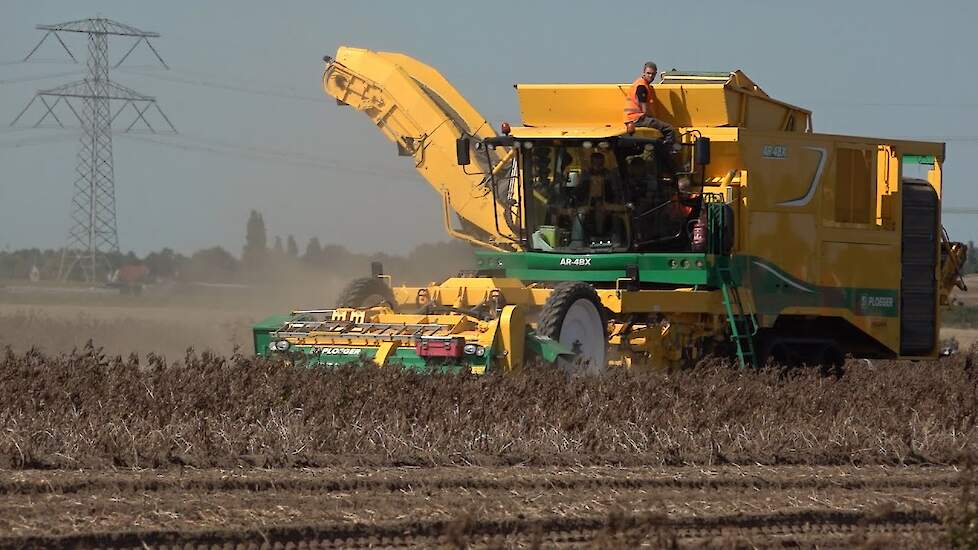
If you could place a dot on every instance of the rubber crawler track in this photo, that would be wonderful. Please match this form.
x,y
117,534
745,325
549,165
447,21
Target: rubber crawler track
x,y
563,531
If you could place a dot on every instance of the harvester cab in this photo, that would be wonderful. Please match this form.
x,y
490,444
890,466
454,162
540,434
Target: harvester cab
x,y
758,239
599,191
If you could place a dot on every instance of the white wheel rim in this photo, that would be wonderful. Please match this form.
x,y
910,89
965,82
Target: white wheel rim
x,y
583,332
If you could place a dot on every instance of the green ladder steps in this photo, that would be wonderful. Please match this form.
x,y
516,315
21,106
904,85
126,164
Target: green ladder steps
x,y
743,325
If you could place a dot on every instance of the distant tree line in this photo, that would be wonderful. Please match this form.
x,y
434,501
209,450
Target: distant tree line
x,y
261,263
258,262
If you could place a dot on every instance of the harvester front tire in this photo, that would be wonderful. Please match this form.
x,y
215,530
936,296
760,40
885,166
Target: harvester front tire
x,y
366,292
573,315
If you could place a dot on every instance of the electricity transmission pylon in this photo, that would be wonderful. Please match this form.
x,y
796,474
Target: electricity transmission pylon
x,y
93,231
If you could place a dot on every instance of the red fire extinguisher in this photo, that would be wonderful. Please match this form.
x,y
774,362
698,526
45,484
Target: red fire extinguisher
x,y
698,233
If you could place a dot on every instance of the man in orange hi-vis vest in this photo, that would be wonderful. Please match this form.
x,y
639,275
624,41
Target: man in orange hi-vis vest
x,y
638,105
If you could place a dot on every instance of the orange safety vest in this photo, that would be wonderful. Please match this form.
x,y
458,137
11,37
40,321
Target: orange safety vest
x,y
633,110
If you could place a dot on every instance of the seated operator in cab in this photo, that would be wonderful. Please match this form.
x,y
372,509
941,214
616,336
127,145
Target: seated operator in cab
x,y
562,193
647,197
600,185
643,182
601,189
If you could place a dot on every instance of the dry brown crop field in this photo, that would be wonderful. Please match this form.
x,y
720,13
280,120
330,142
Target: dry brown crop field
x,y
100,450
133,441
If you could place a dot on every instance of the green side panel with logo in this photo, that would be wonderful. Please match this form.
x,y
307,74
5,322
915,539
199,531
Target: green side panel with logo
x,y
773,289
678,268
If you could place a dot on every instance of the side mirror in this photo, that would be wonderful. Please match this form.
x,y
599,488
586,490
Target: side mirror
x,y
462,150
701,151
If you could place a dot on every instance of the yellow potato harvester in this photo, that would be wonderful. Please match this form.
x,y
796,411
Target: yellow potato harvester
x,y
757,238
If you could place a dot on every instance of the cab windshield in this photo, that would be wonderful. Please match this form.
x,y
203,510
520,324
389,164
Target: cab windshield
x,y
605,196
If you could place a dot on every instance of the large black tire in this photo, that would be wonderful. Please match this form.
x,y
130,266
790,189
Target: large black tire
x,y
573,315
366,292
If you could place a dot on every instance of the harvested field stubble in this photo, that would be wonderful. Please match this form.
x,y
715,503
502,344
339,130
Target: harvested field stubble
x,y
88,410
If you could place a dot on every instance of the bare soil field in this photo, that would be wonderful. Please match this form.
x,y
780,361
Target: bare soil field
x,y
480,507
133,441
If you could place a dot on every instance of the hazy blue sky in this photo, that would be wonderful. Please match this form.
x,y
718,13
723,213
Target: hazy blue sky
x,y
257,132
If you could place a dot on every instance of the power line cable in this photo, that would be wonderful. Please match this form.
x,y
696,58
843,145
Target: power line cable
x,y
37,60
271,152
228,87
37,77
223,79
21,129
190,142
180,141
244,85
36,141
